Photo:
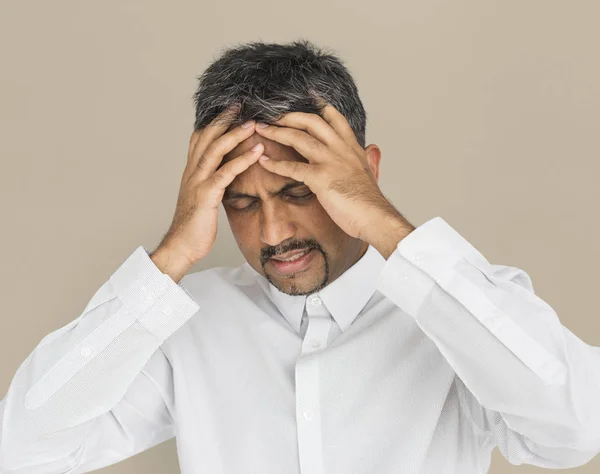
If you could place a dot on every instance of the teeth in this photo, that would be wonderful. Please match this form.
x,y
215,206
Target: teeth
x,y
295,257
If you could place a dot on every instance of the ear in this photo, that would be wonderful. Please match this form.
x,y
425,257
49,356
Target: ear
x,y
374,157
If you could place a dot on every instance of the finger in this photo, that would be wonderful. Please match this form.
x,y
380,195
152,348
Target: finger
x,y
308,146
297,170
228,172
202,138
339,123
315,126
213,156
193,139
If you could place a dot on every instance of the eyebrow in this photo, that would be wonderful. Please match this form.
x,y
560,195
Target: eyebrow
x,y
231,195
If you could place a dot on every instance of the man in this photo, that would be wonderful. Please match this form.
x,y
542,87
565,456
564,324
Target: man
x,y
349,341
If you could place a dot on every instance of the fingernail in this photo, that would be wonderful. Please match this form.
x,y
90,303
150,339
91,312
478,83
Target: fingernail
x,y
262,125
257,147
264,158
248,124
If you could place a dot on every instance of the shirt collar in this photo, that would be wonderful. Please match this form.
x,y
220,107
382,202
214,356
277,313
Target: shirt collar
x,y
344,298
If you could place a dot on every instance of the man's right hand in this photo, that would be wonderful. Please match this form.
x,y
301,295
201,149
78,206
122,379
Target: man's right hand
x,y
194,228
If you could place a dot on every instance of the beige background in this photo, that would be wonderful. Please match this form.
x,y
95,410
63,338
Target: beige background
x,y
486,113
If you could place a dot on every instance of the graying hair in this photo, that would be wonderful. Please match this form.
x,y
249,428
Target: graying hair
x,y
268,80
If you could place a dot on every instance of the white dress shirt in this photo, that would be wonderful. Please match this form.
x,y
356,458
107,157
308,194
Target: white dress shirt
x,y
419,364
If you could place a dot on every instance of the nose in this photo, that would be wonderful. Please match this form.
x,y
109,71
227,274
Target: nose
x,y
276,224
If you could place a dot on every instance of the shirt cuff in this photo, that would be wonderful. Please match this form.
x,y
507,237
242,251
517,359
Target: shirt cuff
x,y
426,255
432,256
163,305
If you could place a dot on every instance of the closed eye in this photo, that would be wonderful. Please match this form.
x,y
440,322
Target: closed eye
x,y
303,197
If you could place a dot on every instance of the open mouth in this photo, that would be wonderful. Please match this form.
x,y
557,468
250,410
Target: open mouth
x,y
294,264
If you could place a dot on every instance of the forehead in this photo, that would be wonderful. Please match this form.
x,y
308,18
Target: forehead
x,y
256,177
273,149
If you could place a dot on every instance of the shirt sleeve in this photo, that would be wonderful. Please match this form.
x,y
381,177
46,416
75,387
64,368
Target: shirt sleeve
x,y
98,390
526,381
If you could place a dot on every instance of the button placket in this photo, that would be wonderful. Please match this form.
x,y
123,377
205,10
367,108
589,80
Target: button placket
x,y
319,323
315,344
308,392
315,301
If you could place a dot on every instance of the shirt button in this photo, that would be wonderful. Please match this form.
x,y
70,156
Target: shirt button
x,y
85,351
315,301
308,414
315,344
420,255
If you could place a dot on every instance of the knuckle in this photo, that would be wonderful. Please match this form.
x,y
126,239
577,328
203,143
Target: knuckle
x,y
313,143
201,163
218,177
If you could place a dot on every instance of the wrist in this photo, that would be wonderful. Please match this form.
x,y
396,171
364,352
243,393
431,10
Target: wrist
x,y
171,263
388,234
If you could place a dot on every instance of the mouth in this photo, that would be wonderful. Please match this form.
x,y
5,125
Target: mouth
x,y
297,263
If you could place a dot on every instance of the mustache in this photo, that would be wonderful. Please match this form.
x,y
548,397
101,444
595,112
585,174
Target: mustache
x,y
308,246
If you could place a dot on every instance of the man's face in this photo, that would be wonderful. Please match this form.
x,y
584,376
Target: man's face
x,y
290,220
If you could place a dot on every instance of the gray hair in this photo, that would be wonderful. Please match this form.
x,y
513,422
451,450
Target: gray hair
x,y
268,80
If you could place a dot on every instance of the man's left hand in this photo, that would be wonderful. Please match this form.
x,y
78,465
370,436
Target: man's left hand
x,y
337,171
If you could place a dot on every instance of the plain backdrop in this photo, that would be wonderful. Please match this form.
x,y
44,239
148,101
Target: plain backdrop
x,y
487,114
